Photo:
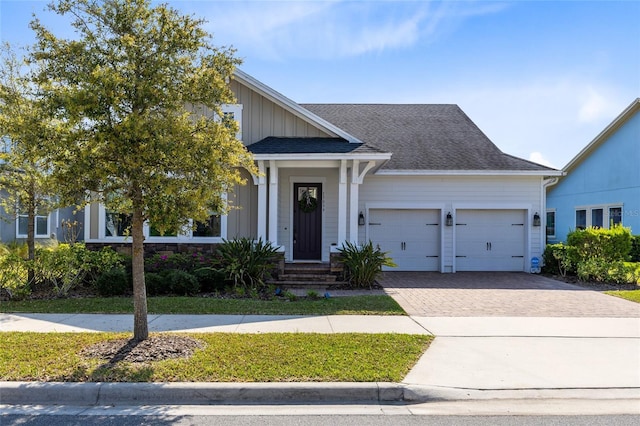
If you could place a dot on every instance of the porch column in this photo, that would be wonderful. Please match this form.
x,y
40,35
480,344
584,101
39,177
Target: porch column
x,y
261,181
353,206
273,202
342,203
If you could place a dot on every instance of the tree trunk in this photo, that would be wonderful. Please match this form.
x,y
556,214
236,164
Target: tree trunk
x,y
140,323
31,242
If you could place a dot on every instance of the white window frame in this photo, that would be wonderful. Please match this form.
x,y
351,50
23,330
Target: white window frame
x,y
35,226
555,219
236,110
606,219
186,236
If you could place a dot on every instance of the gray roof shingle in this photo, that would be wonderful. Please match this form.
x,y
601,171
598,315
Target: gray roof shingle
x,y
422,136
309,145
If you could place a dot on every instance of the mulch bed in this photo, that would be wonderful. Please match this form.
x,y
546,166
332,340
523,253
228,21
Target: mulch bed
x,y
155,348
591,285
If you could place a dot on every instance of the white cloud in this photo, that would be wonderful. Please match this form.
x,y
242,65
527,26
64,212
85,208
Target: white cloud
x,y
594,106
537,157
333,29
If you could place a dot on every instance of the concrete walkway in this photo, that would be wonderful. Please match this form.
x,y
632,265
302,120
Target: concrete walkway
x,y
590,352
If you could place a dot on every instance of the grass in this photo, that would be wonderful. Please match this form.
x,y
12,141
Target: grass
x,y
632,295
226,357
348,305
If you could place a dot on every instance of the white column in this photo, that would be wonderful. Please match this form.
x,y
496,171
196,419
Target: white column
x,y
353,202
342,203
273,202
262,202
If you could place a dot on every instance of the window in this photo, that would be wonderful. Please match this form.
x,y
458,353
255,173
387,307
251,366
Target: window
x,y
551,224
211,228
599,216
615,216
117,224
596,218
41,224
153,232
581,219
233,112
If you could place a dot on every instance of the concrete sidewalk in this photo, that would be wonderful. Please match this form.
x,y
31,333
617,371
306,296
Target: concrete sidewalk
x,y
471,358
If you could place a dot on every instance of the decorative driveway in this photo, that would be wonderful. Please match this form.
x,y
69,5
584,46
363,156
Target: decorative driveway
x,y
499,294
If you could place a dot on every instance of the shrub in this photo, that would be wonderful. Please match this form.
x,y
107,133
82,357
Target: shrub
x,y
607,244
113,282
210,279
98,262
156,284
13,275
182,283
246,262
363,263
634,254
181,261
557,259
61,267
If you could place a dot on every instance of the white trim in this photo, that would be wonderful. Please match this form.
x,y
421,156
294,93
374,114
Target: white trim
x,y
397,172
605,214
183,237
236,110
273,202
47,234
307,179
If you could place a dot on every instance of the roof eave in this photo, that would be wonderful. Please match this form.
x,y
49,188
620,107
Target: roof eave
x,y
292,106
398,172
324,156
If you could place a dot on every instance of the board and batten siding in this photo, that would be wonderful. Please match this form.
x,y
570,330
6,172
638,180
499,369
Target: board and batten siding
x,y
262,118
242,219
455,192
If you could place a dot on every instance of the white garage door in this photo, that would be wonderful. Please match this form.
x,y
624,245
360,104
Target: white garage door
x,y
490,240
412,237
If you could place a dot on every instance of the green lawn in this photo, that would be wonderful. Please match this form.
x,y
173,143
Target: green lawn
x,y
348,305
226,357
633,295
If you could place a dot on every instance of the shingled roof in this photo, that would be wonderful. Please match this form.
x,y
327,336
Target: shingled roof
x,y
309,145
422,137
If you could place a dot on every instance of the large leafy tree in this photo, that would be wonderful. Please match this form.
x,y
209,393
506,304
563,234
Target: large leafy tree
x,y
25,132
130,85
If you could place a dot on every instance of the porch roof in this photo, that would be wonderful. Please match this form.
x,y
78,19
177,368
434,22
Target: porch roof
x,y
311,145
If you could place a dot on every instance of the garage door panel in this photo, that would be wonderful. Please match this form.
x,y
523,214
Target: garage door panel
x,y
411,237
490,240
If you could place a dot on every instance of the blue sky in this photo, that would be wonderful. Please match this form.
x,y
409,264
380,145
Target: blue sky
x,y
540,78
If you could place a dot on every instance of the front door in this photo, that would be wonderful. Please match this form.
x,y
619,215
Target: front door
x,y
307,221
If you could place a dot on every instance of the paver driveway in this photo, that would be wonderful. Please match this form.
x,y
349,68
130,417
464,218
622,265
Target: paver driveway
x,y
504,294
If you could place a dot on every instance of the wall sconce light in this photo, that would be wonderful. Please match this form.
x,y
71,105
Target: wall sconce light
x,y
449,220
361,219
536,219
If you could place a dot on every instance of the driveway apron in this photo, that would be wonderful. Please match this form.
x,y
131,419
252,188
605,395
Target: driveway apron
x,y
508,332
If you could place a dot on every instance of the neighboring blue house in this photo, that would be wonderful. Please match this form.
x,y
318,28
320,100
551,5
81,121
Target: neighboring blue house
x,y
602,182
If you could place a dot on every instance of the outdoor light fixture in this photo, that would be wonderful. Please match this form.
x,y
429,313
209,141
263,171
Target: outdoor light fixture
x,y
361,219
449,221
536,219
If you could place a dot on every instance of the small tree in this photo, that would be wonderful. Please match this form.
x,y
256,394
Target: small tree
x,y
129,87
25,132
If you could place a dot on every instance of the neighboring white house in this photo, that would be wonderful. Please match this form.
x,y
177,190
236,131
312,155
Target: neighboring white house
x,y
420,181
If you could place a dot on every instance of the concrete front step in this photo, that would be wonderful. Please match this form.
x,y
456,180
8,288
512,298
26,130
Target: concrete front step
x,y
305,284
307,277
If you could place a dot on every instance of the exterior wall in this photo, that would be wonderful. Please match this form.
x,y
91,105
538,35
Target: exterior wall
x,y
262,118
242,220
449,193
8,229
610,175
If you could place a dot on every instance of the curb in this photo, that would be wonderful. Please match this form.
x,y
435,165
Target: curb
x,y
102,394
185,393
